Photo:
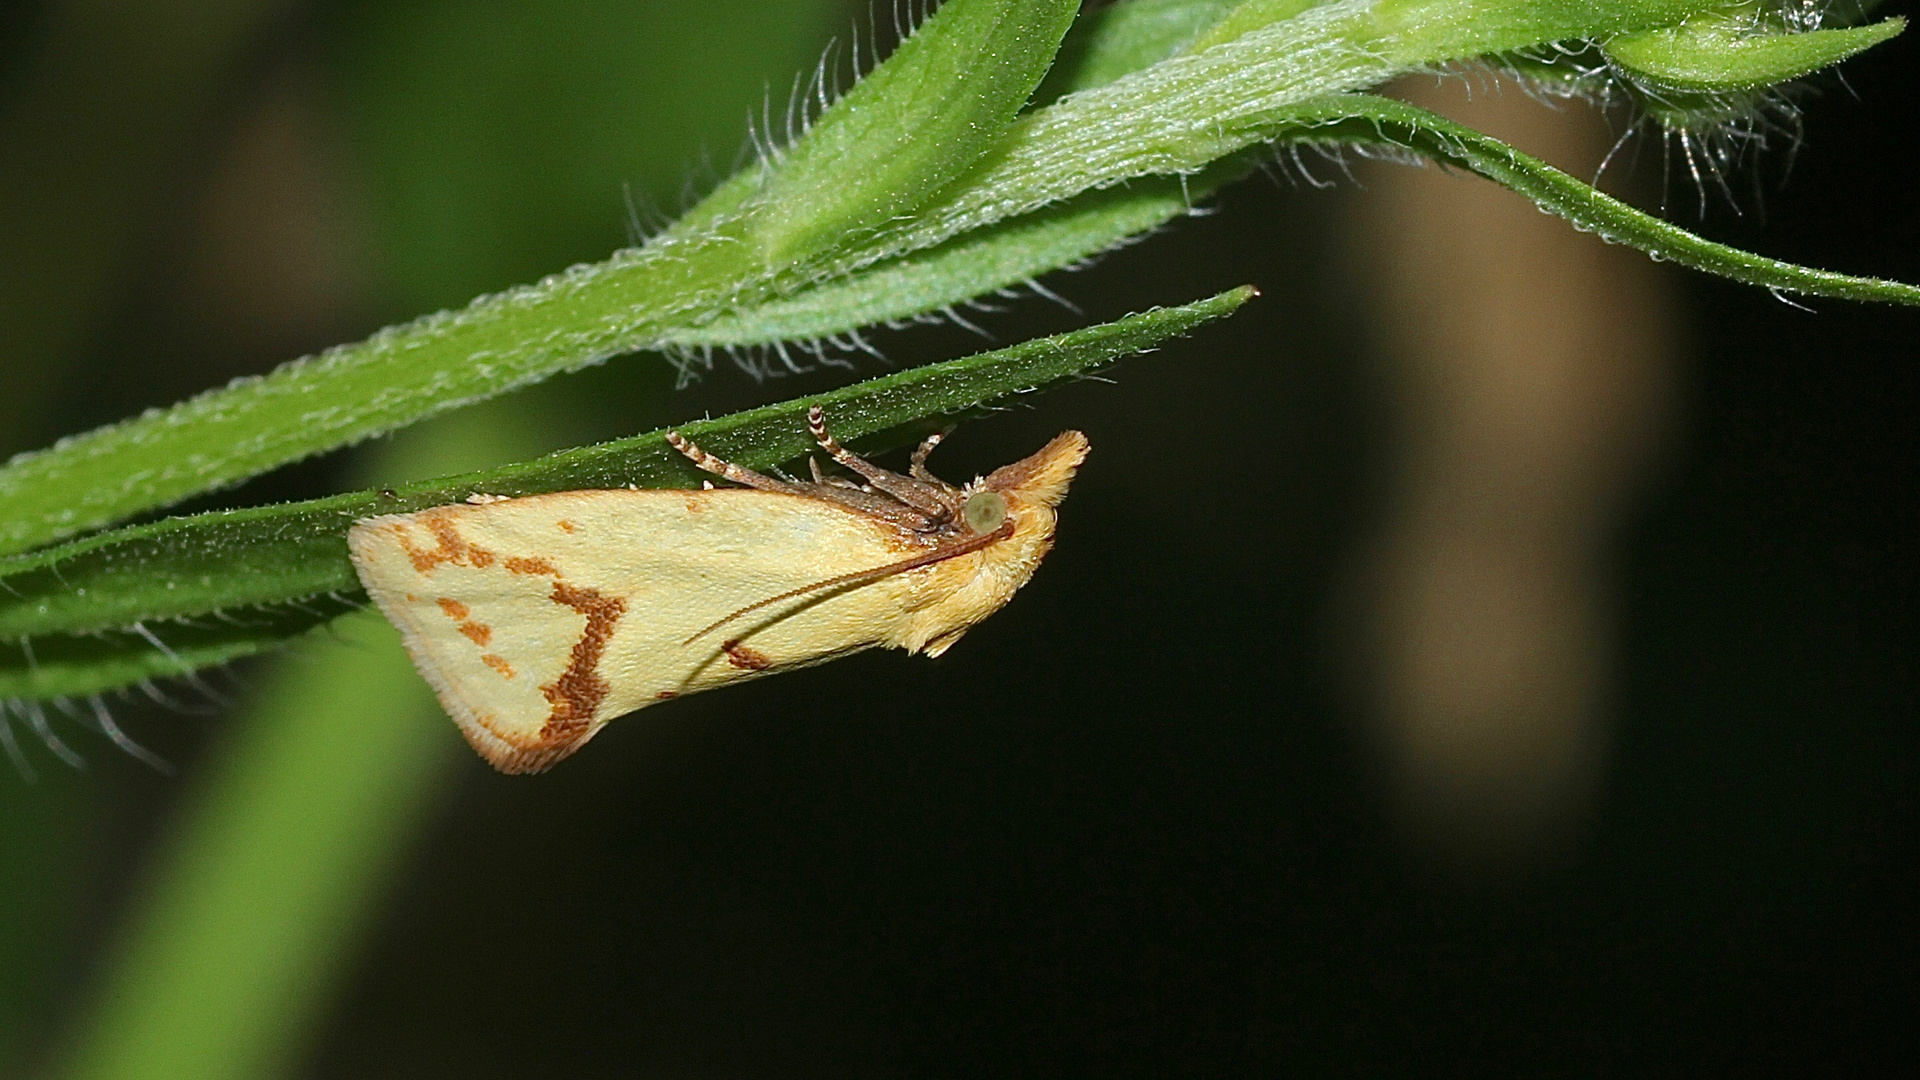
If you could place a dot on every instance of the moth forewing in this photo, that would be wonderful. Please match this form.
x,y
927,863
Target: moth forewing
x,y
539,619
536,620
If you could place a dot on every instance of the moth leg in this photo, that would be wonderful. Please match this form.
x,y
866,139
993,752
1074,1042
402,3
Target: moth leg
x,y
727,469
821,479
917,494
918,468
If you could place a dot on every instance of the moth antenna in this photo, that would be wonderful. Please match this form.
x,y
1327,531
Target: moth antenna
x,y
722,468
867,577
1666,169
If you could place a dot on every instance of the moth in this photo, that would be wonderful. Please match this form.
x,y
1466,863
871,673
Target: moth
x,y
538,619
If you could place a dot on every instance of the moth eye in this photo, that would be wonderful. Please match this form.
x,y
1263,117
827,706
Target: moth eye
x,y
985,511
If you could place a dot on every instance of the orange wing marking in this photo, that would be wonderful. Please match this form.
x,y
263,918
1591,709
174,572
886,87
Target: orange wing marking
x,y
579,690
452,548
744,658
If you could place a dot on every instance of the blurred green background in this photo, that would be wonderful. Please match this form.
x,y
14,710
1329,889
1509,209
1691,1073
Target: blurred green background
x,y
1160,817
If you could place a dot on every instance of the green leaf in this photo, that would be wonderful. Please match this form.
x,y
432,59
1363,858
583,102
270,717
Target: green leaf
x,y
179,594
399,376
1729,54
1122,38
1219,98
911,127
1009,253
1249,15
1365,119
1103,45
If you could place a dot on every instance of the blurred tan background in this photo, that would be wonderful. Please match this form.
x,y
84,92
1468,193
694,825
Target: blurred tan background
x,y
1528,374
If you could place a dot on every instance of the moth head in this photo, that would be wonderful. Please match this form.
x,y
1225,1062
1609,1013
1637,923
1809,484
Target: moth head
x,y
1040,479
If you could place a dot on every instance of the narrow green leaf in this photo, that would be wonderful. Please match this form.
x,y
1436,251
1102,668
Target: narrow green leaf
x,y
1725,55
1103,45
1365,119
1009,253
1460,29
166,598
399,376
1249,15
1182,114
1122,38
911,127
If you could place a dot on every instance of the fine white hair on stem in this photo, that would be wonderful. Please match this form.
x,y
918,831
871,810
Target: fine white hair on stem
x,y
810,96
36,717
1705,138
11,744
761,361
29,710
93,714
645,219
186,672
98,717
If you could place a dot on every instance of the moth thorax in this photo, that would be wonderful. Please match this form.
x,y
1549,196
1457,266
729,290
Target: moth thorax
x,y
985,511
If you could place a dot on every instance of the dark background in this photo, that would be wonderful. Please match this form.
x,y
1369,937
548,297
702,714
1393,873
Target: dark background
x,y
1128,827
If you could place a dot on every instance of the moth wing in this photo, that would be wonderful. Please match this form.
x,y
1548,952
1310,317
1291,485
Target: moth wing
x,y
537,620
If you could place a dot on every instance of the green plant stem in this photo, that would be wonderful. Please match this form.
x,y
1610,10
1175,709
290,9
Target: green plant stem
x,y
1363,118
180,594
275,863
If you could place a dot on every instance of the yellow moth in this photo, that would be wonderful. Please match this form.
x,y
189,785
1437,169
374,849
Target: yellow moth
x,y
539,619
